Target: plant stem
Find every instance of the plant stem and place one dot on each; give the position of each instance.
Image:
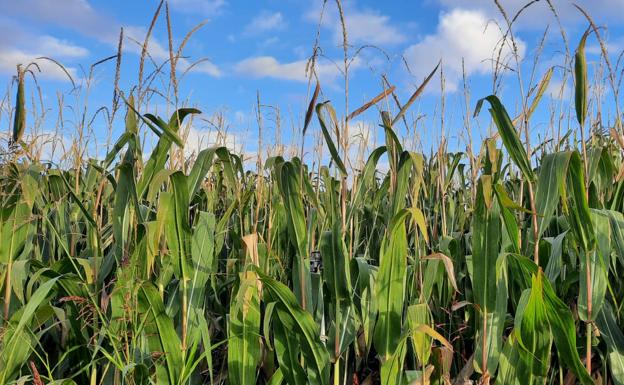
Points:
(7, 290)
(588, 353)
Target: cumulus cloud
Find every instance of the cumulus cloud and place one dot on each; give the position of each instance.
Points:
(539, 14)
(270, 67)
(61, 48)
(265, 21)
(461, 34)
(205, 67)
(82, 17)
(364, 26)
(25, 47)
(10, 58)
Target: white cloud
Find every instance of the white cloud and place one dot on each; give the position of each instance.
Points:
(269, 42)
(45, 145)
(368, 27)
(135, 36)
(198, 139)
(361, 133)
(60, 48)
(205, 67)
(51, 146)
(364, 26)
(11, 57)
(80, 16)
(265, 22)
(270, 67)
(557, 89)
(159, 52)
(25, 47)
(361, 141)
(241, 117)
(461, 34)
(205, 7)
(539, 14)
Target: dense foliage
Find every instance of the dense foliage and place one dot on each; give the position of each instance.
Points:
(498, 267)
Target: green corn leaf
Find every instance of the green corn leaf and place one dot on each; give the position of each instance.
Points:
(485, 246)
(335, 265)
(402, 182)
(178, 117)
(202, 165)
(613, 336)
(366, 180)
(244, 331)
(153, 121)
(563, 331)
(579, 214)
(277, 378)
(391, 372)
(419, 314)
(326, 134)
(121, 212)
(550, 184)
(509, 219)
(14, 231)
(17, 342)
(393, 144)
(509, 135)
(495, 318)
(83, 209)
(161, 335)
(288, 351)
(289, 186)
(534, 336)
(391, 287)
(597, 261)
(300, 323)
(511, 370)
(202, 251)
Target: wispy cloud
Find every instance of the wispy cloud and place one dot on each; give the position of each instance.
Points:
(204, 7)
(460, 35)
(270, 67)
(25, 47)
(369, 27)
(82, 17)
(364, 26)
(76, 15)
(158, 51)
(558, 89)
(265, 21)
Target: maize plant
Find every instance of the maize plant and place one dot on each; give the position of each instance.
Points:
(495, 267)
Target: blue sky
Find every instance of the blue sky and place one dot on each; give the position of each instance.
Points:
(262, 46)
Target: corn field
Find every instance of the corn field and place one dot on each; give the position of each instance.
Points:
(495, 266)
